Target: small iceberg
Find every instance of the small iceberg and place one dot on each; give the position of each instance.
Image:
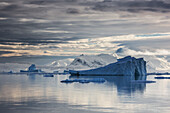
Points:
(142, 81)
(67, 81)
(95, 80)
(32, 68)
(10, 72)
(48, 75)
(162, 77)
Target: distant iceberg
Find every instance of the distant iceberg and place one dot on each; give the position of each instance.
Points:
(127, 66)
(32, 68)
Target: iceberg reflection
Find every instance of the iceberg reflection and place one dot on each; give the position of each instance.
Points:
(122, 83)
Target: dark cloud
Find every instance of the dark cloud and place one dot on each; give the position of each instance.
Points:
(160, 43)
(72, 11)
(133, 6)
(45, 2)
(53, 47)
(5, 52)
(10, 7)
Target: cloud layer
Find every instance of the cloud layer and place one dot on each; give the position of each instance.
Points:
(65, 27)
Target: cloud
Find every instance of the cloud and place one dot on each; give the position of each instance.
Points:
(51, 31)
(4, 4)
(11, 7)
(5, 52)
(106, 45)
(2, 18)
(148, 44)
(72, 11)
(132, 37)
(33, 20)
(126, 51)
(133, 6)
(77, 25)
(43, 2)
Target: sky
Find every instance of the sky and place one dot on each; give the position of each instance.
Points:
(75, 27)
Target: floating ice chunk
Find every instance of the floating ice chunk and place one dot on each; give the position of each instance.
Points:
(67, 81)
(49, 75)
(142, 81)
(162, 77)
(95, 80)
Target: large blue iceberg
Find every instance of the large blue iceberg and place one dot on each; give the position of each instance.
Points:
(127, 66)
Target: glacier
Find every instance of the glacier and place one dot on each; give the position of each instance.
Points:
(127, 66)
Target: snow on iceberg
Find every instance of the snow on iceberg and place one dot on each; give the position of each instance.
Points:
(127, 66)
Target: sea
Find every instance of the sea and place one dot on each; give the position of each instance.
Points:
(31, 93)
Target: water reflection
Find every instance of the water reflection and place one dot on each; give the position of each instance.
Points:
(31, 76)
(122, 83)
(40, 94)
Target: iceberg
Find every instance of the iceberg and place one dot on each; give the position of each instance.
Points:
(127, 66)
(32, 68)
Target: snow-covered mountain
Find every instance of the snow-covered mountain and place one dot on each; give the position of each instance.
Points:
(61, 63)
(91, 61)
(157, 64)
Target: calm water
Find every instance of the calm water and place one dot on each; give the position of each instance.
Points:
(37, 94)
